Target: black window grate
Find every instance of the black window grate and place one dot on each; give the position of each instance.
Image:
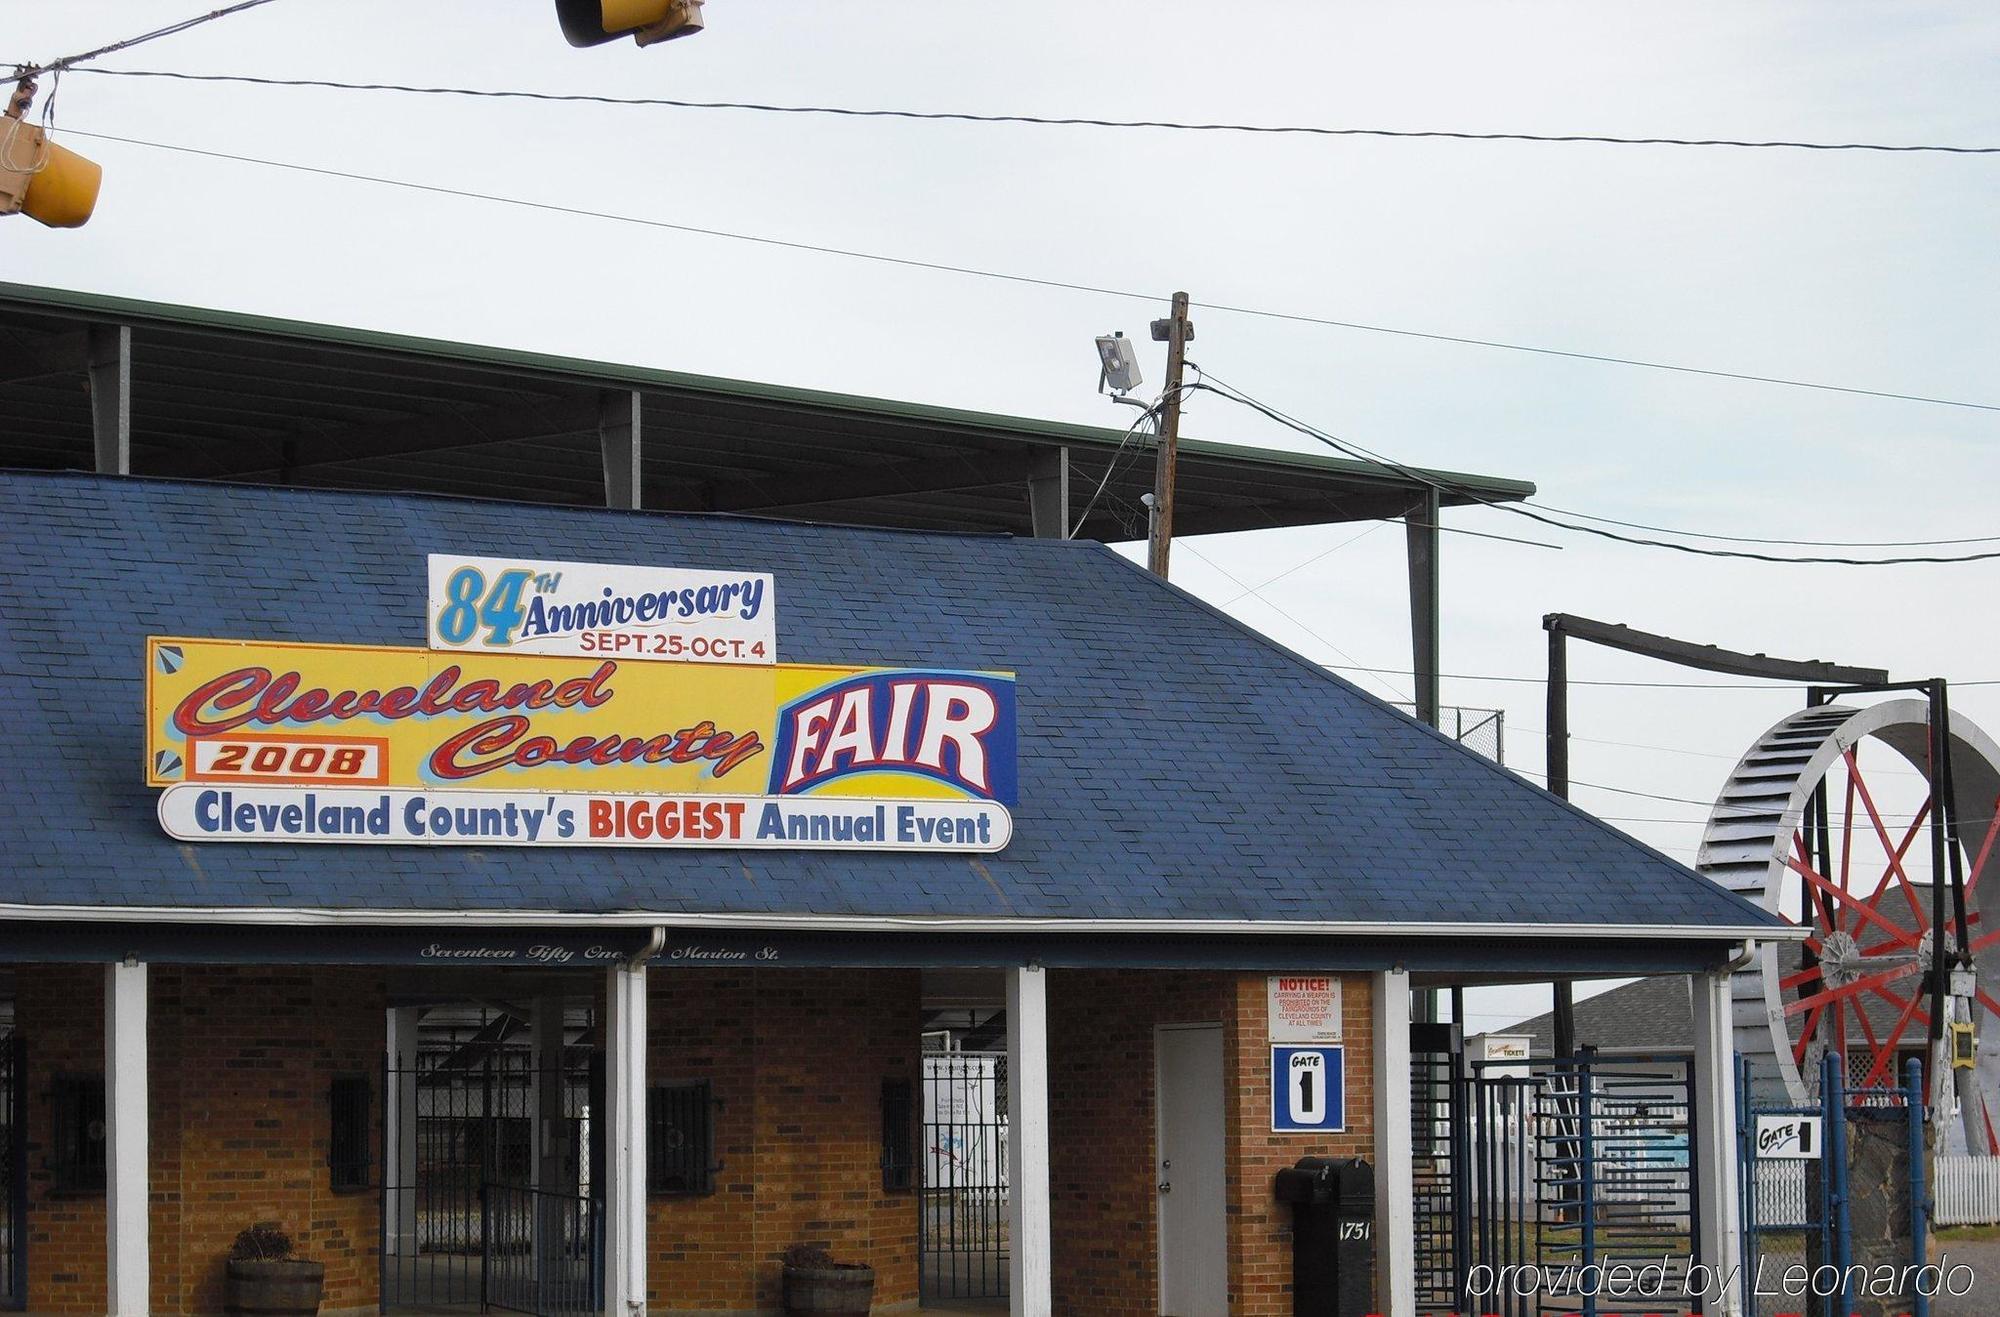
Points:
(347, 1147)
(680, 1138)
(899, 1161)
(76, 1157)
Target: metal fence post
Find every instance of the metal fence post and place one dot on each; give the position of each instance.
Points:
(1587, 1179)
(1833, 1098)
(1913, 1103)
(1746, 1160)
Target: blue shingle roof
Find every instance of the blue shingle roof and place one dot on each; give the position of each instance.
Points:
(1173, 763)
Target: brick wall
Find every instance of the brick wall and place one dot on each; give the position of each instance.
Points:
(796, 1059)
(1102, 1133)
(240, 1068)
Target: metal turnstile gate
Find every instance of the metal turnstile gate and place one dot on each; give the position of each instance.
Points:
(488, 1188)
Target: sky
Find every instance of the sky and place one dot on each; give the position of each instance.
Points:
(1870, 271)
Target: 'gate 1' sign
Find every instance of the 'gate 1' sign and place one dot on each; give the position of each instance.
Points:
(1304, 1008)
(1308, 1090)
(1789, 1138)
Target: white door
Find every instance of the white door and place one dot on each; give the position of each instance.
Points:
(1194, 1235)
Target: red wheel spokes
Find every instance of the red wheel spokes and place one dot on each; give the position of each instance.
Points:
(1894, 853)
(1861, 908)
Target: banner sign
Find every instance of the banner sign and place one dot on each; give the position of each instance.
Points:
(199, 812)
(250, 714)
(524, 606)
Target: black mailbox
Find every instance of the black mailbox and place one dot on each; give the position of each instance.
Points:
(1333, 1235)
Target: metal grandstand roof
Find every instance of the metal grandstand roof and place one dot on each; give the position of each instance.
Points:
(222, 395)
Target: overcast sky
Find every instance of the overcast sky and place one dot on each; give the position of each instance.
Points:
(1872, 271)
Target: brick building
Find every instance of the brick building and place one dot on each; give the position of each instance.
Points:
(628, 1078)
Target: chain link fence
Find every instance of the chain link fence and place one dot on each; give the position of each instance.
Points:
(1482, 730)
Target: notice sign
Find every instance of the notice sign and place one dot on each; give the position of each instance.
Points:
(1304, 1008)
(525, 606)
(1789, 1138)
(1308, 1090)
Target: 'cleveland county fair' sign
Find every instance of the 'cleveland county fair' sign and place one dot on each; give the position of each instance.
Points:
(275, 742)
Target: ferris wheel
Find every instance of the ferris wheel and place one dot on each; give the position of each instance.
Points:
(1826, 821)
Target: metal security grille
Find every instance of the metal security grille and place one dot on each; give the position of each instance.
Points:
(1581, 1162)
(680, 1139)
(478, 1207)
(962, 1221)
(1438, 1137)
(13, 1174)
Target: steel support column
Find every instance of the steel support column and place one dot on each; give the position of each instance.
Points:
(1420, 532)
(618, 432)
(111, 397)
(1029, 1280)
(1048, 496)
(127, 1189)
(624, 1170)
(1395, 1152)
(1719, 1241)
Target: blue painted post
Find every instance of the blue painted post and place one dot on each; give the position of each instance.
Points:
(1833, 1099)
(1920, 1181)
(1746, 1165)
(1587, 1181)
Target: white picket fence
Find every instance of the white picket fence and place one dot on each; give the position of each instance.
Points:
(1966, 1190)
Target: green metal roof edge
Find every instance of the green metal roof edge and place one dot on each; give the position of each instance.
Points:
(107, 306)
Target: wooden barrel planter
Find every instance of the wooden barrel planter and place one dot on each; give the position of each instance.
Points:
(844, 1289)
(268, 1287)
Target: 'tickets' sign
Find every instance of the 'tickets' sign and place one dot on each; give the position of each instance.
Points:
(249, 716)
(525, 606)
(1304, 1008)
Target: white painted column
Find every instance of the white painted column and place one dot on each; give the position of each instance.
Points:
(1716, 1171)
(1395, 1153)
(127, 1189)
(1029, 1271)
(399, 1130)
(625, 1144)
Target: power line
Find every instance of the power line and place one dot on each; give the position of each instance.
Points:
(1349, 448)
(1053, 121)
(1281, 612)
(1004, 276)
(1640, 685)
(68, 62)
(1753, 539)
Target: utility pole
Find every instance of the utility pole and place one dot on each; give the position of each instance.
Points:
(1176, 331)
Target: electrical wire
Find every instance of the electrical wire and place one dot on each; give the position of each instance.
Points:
(1186, 545)
(1755, 539)
(1350, 449)
(25, 72)
(1152, 414)
(1006, 277)
(1641, 685)
(1052, 121)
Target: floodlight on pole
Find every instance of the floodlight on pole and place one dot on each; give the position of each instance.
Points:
(1118, 367)
(594, 22)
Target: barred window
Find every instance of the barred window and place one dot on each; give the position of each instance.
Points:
(898, 1146)
(680, 1138)
(347, 1152)
(76, 1154)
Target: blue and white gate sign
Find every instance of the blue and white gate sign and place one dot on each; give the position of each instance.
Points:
(1308, 1090)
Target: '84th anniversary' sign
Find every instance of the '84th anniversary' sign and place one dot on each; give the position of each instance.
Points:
(670, 614)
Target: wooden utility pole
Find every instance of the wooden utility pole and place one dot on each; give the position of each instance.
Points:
(1175, 331)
